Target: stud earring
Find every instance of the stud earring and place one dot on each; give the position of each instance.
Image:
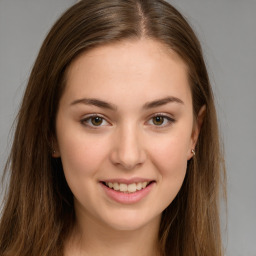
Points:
(193, 151)
(53, 152)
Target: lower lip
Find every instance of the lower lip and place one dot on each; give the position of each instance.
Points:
(127, 198)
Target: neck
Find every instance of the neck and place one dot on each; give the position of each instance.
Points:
(92, 238)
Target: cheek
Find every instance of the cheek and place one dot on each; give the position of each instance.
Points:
(170, 154)
(170, 160)
(81, 155)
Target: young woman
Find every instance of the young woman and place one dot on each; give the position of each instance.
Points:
(116, 150)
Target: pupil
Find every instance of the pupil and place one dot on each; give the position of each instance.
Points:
(97, 120)
(158, 120)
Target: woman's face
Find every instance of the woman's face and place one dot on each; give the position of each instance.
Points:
(125, 121)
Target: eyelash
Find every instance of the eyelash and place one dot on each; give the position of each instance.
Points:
(87, 119)
(168, 119)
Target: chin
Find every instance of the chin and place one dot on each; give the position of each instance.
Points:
(131, 221)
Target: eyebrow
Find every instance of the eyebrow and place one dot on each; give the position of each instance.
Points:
(161, 102)
(103, 104)
(95, 102)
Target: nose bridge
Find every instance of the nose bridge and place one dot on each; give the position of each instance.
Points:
(128, 150)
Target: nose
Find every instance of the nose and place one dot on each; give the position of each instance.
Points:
(127, 149)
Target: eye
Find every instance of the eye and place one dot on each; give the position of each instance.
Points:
(94, 121)
(161, 120)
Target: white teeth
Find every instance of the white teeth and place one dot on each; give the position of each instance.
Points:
(123, 187)
(139, 186)
(144, 184)
(116, 186)
(127, 188)
(131, 187)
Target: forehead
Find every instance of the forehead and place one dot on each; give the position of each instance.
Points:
(143, 67)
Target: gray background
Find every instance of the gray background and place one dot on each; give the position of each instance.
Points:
(227, 31)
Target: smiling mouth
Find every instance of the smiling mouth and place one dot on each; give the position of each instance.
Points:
(127, 188)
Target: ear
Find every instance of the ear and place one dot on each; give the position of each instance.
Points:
(55, 152)
(196, 131)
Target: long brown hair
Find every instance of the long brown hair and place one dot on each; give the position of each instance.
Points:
(38, 212)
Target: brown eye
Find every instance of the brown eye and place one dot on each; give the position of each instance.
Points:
(161, 121)
(158, 120)
(96, 121)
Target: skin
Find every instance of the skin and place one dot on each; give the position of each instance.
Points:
(128, 142)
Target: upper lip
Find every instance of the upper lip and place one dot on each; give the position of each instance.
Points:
(127, 181)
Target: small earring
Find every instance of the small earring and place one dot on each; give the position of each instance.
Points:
(53, 152)
(193, 151)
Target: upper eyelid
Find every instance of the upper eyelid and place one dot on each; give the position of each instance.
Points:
(89, 116)
(170, 119)
(106, 118)
(168, 116)
(161, 114)
(165, 115)
(85, 117)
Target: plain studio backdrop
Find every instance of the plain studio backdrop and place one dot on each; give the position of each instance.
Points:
(227, 31)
